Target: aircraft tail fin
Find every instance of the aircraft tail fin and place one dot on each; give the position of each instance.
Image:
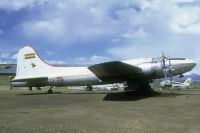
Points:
(29, 64)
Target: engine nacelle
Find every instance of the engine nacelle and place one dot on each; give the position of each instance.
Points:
(150, 69)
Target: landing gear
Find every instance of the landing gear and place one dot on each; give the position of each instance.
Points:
(139, 86)
(50, 91)
(11, 86)
(38, 88)
(89, 88)
(30, 88)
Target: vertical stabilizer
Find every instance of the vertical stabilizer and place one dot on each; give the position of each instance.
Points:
(30, 65)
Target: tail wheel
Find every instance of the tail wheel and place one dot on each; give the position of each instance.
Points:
(50, 91)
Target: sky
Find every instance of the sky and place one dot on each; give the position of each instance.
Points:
(94, 31)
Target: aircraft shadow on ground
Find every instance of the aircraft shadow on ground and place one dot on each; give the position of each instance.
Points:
(109, 96)
(64, 93)
(38, 93)
(129, 96)
(115, 96)
(134, 96)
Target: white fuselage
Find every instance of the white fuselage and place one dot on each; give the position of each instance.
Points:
(75, 76)
(33, 71)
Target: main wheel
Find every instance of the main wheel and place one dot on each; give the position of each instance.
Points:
(38, 88)
(50, 91)
(140, 86)
(30, 88)
(89, 88)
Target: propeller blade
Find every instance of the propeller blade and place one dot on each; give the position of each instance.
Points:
(165, 73)
(170, 70)
(163, 60)
(164, 65)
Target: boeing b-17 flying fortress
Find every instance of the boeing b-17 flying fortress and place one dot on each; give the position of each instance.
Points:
(104, 66)
(136, 73)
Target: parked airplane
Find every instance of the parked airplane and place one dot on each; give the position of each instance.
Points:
(115, 86)
(137, 73)
(174, 84)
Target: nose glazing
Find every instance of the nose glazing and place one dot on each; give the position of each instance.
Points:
(182, 66)
(191, 64)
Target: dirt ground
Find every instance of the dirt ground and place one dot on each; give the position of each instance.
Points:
(23, 111)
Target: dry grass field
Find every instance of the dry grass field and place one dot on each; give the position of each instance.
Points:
(78, 111)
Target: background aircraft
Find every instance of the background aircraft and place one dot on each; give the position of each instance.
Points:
(136, 73)
(115, 86)
(174, 84)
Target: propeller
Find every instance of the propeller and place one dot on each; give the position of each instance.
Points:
(164, 65)
(167, 70)
(170, 70)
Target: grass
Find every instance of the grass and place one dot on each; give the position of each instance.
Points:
(4, 80)
(5, 84)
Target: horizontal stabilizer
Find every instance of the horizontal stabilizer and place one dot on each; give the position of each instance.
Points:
(30, 79)
(37, 81)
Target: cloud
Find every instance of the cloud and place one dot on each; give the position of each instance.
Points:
(190, 3)
(1, 31)
(5, 55)
(164, 26)
(99, 59)
(3, 62)
(7, 58)
(15, 5)
(95, 59)
(186, 19)
(8, 55)
(95, 31)
(49, 53)
(140, 33)
(51, 30)
(85, 21)
(14, 56)
(57, 62)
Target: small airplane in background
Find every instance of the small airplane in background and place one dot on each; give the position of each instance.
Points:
(175, 84)
(136, 73)
(110, 87)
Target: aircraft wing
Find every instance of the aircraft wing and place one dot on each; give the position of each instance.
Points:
(115, 71)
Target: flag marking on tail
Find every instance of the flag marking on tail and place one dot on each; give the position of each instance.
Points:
(29, 56)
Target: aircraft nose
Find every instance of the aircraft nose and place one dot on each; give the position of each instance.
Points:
(183, 66)
(191, 63)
